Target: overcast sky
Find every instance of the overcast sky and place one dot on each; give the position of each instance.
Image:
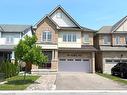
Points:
(88, 13)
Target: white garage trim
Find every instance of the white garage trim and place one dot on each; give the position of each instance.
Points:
(74, 65)
(111, 62)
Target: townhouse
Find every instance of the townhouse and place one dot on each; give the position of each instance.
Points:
(111, 42)
(10, 35)
(69, 46)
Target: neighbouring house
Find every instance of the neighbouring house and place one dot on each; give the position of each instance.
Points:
(111, 42)
(69, 46)
(10, 35)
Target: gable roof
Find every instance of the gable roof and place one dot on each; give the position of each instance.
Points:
(112, 29)
(119, 23)
(58, 27)
(62, 9)
(48, 15)
(13, 28)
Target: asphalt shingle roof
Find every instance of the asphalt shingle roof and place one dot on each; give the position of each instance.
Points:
(13, 28)
(105, 29)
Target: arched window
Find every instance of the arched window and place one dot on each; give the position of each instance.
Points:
(46, 36)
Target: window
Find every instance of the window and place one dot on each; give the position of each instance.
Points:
(62, 59)
(77, 59)
(74, 38)
(69, 37)
(64, 38)
(124, 60)
(117, 40)
(11, 35)
(108, 60)
(59, 15)
(116, 60)
(107, 40)
(69, 59)
(86, 38)
(46, 36)
(85, 59)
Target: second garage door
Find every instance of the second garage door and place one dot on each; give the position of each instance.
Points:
(74, 65)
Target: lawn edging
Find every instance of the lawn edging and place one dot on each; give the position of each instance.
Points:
(114, 78)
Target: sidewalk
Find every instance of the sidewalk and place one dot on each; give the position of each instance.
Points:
(45, 82)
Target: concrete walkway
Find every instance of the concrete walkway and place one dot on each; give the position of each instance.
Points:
(45, 82)
(86, 81)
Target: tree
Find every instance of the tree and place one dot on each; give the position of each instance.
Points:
(27, 51)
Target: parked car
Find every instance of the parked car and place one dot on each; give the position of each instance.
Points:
(120, 69)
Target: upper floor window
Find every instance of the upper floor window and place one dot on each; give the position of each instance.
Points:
(46, 36)
(117, 40)
(86, 38)
(107, 40)
(9, 36)
(59, 14)
(69, 37)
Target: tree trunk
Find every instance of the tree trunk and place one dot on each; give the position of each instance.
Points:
(28, 67)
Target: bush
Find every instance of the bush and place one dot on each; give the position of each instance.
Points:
(9, 69)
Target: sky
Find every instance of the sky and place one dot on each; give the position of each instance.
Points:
(88, 13)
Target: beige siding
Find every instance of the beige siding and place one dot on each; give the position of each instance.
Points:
(76, 44)
(123, 27)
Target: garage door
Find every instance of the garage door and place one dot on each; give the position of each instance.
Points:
(74, 65)
(111, 63)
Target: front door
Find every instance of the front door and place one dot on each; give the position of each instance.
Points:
(47, 65)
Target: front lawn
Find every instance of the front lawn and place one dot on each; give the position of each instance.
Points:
(17, 83)
(114, 78)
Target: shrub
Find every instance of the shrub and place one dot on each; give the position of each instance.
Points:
(9, 69)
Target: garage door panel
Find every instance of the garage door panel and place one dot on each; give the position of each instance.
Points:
(75, 65)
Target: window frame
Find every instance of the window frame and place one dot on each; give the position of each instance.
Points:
(117, 40)
(106, 40)
(86, 41)
(46, 36)
(70, 37)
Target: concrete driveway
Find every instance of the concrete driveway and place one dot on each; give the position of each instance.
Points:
(86, 81)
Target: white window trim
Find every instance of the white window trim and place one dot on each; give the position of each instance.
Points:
(72, 36)
(84, 40)
(107, 38)
(46, 40)
(119, 42)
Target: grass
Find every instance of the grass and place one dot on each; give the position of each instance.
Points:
(114, 78)
(17, 83)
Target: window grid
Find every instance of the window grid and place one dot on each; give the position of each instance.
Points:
(46, 36)
(86, 38)
(69, 37)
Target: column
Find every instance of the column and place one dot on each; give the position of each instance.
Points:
(54, 63)
(53, 55)
(93, 62)
(12, 57)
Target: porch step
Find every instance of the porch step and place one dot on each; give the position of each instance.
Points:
(43, 72)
